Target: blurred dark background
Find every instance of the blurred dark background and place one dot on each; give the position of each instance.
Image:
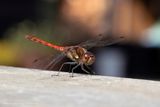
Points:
(13, 12)
(71, 22)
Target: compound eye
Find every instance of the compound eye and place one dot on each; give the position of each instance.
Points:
(86, 55)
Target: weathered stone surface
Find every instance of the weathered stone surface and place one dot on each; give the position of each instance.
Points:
(21, 87)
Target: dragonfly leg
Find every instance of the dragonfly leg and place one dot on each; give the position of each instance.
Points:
(82, 67)
(74, 69)
(65, 63)
(91, 70)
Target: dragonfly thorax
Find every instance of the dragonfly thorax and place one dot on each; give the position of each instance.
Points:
(80, 55)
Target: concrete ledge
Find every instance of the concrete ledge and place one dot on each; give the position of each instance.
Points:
(21, 87)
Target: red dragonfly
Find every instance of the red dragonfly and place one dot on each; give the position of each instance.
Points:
(79, 54)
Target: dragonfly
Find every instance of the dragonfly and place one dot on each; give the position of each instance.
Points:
(78, 54)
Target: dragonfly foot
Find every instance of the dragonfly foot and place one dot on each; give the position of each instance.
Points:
(55, 75)
(71, 76)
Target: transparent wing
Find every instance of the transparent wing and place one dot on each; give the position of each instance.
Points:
(54, 61)
(100, 41)
(48, 62)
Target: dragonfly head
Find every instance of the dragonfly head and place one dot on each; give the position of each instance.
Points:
(89, 58)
